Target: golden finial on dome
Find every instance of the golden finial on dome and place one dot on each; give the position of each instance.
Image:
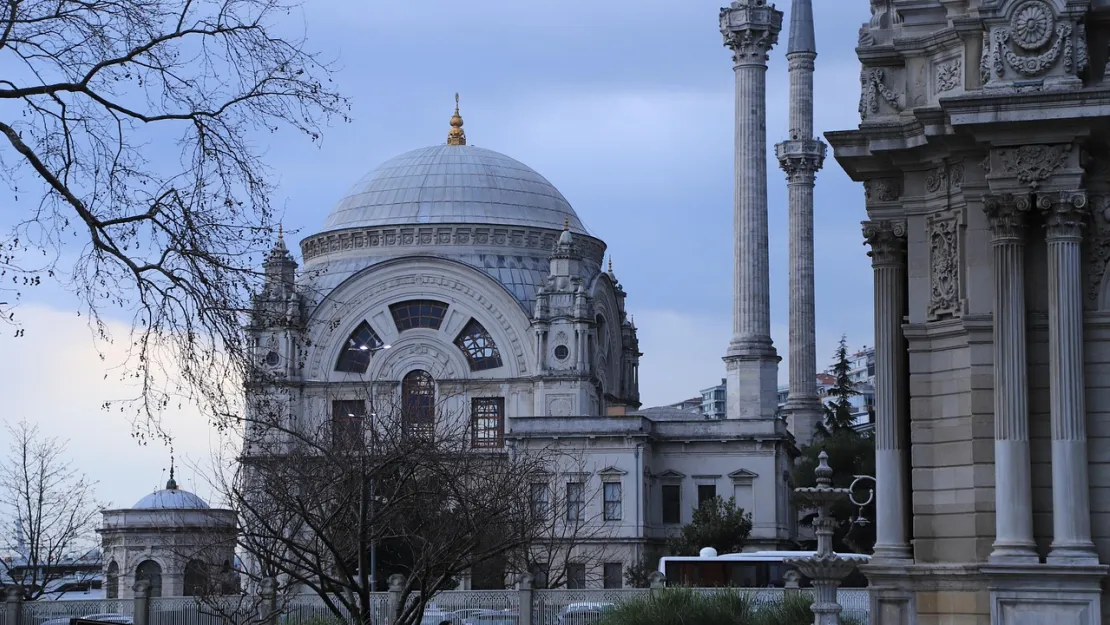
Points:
(566, 223)
(456, 136)
(281, 231)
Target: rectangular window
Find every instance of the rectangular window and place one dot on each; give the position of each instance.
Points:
(706, 492)
(487, 422)
(346, 420)
(540, 502)
(614, 575)
(613, 501)
(576, 501)
(576, 576)
(672, 503)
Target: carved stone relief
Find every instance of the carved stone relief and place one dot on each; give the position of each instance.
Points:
(559, 405)
(1033, 164)
(943, 234)
(945, 178)
(882, 189)
(1033, 43)
(948, 75)
(873, 91)
(1097, 248)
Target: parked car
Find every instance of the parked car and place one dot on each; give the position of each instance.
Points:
(106, 617)
(583, 613)
(493, 617)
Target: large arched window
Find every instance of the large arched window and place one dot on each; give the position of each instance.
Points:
(111, 581)
(478, 347)
(356, 352)
(418, 396)
(196, 578)
(150, 571)
(418, 313)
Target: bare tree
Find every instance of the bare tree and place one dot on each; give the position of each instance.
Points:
(130, 135)
(568, 527)
(317, 500)
(48, 511)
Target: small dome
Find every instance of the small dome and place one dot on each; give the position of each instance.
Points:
(171, 499)
(456, 184)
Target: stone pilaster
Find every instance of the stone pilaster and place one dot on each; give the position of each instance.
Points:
(1013, 491)
(892, 503)
(801, 157)
(750, 29)
(1065, 218)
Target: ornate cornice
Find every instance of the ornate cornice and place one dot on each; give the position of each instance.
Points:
(445, 235)
(801, 156)
(1065, 214)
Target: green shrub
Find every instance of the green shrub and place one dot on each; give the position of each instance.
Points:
(683, 606)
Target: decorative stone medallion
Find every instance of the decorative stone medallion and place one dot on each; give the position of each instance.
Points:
(948, 75)
(1032, 24)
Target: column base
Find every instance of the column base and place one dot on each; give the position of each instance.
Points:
(752, 385)
(1014, 552)
(1044, 594)
(803, 414)
(1081, 554)
(892, 554)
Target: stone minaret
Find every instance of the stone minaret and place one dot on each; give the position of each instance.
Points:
(750, 29)
(800, 156)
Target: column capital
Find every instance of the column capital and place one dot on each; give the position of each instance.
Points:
(800, 156)
(750, 29)
(887, 240)
(1006, 213)
(1065, 214)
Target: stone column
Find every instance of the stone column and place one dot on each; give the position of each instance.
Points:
(1013, 491)
(13, 605)
(1065, 217)
(525, 597)
(888, 259)
(750, 29)
(801, 156)
(141, 612)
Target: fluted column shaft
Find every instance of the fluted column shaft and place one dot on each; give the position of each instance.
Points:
(752, 319)
(1065, 218)
(801, 157)
(1013, 491)
(888, 260)
(750, 29)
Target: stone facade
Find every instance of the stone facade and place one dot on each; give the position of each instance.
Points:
(981, 149)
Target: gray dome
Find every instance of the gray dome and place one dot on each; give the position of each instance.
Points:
(459, 184)
(171, 499)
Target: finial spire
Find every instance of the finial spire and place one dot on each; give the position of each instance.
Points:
(171, 484)
(456, 136)
(610, 264)
(801, 28)
(566, 223)
(281, 231)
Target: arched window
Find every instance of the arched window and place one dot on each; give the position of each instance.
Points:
(418, 393)
(111, 581)
(418, 313)
(150, 571)
(356, 352)
(196, 578)
(478, 346)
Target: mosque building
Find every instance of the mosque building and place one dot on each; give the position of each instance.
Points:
(492, 295)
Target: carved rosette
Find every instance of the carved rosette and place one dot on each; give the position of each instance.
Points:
(750, 29)
(1033, 164)
(887, 239)
(882, 189)
(943, 236)
(1006, 214)
(1033, 43)
(1065, 214)
(874, 90)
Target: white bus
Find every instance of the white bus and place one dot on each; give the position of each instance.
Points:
(758, 569)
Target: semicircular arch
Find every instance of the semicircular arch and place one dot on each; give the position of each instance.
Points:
(468, 292)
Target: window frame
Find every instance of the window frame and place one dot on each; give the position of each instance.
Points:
(536, 502)
(478, 346)
(701, 499)
(576, 507)
(613, 508)
(414, 314)
(351, 359)
(347, 418)
(575, 582)
(607, 569)
(677, 504)
(418, 386)
(479, 435)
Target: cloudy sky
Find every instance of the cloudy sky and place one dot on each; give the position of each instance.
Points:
(625, 107)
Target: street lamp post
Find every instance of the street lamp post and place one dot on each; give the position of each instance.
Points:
(366, 500)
